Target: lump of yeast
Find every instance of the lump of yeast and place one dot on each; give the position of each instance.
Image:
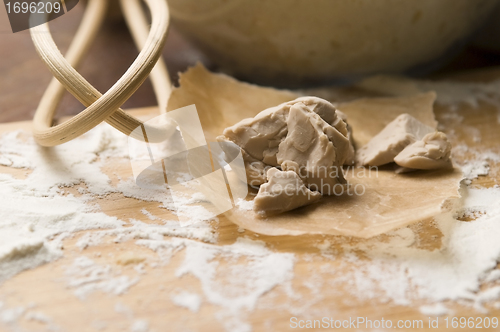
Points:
(306, 135)
(432, 152)
(387, 144)
(409, 143)
(283, 192)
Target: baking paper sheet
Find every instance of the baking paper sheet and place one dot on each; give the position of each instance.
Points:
(377, 200)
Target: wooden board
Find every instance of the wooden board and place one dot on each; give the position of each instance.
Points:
(47, 290)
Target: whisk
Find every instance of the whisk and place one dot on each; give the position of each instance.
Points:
(102, 107)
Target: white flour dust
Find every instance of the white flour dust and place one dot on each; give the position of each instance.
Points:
(85, 276)
(400, 273)
(227, 283)
(11, 317)
(137, 325)
(188, 300)
(36, 213)
(437, 309)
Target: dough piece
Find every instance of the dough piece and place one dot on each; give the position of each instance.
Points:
(387, 144)
(306, 131)
(255, 170)
(351, 155)
(315, 150)
(261, 135)
(432, 152)
(285, 191)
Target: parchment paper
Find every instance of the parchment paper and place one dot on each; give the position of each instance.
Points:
(388, 200)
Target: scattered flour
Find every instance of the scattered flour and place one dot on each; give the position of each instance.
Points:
(470, 251)
(32, 225)
(187, 300)
(40, 317)
(233, 286)
(149, 215)
(437, 309)
(493, 276)
(140, 326)
(244, 205)
(10, 316)
(140, 230)
(124, 310)
(36, 214)
(37, 316)
(85, 276)
(477, 163)
(472, 169)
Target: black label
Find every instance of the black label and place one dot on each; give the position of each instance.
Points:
(70, 4)
(25, 14)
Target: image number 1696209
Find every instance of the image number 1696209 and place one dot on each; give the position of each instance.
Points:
(26, 14)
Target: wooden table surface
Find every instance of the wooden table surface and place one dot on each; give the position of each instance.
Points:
(22, 81)
(47, 287)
